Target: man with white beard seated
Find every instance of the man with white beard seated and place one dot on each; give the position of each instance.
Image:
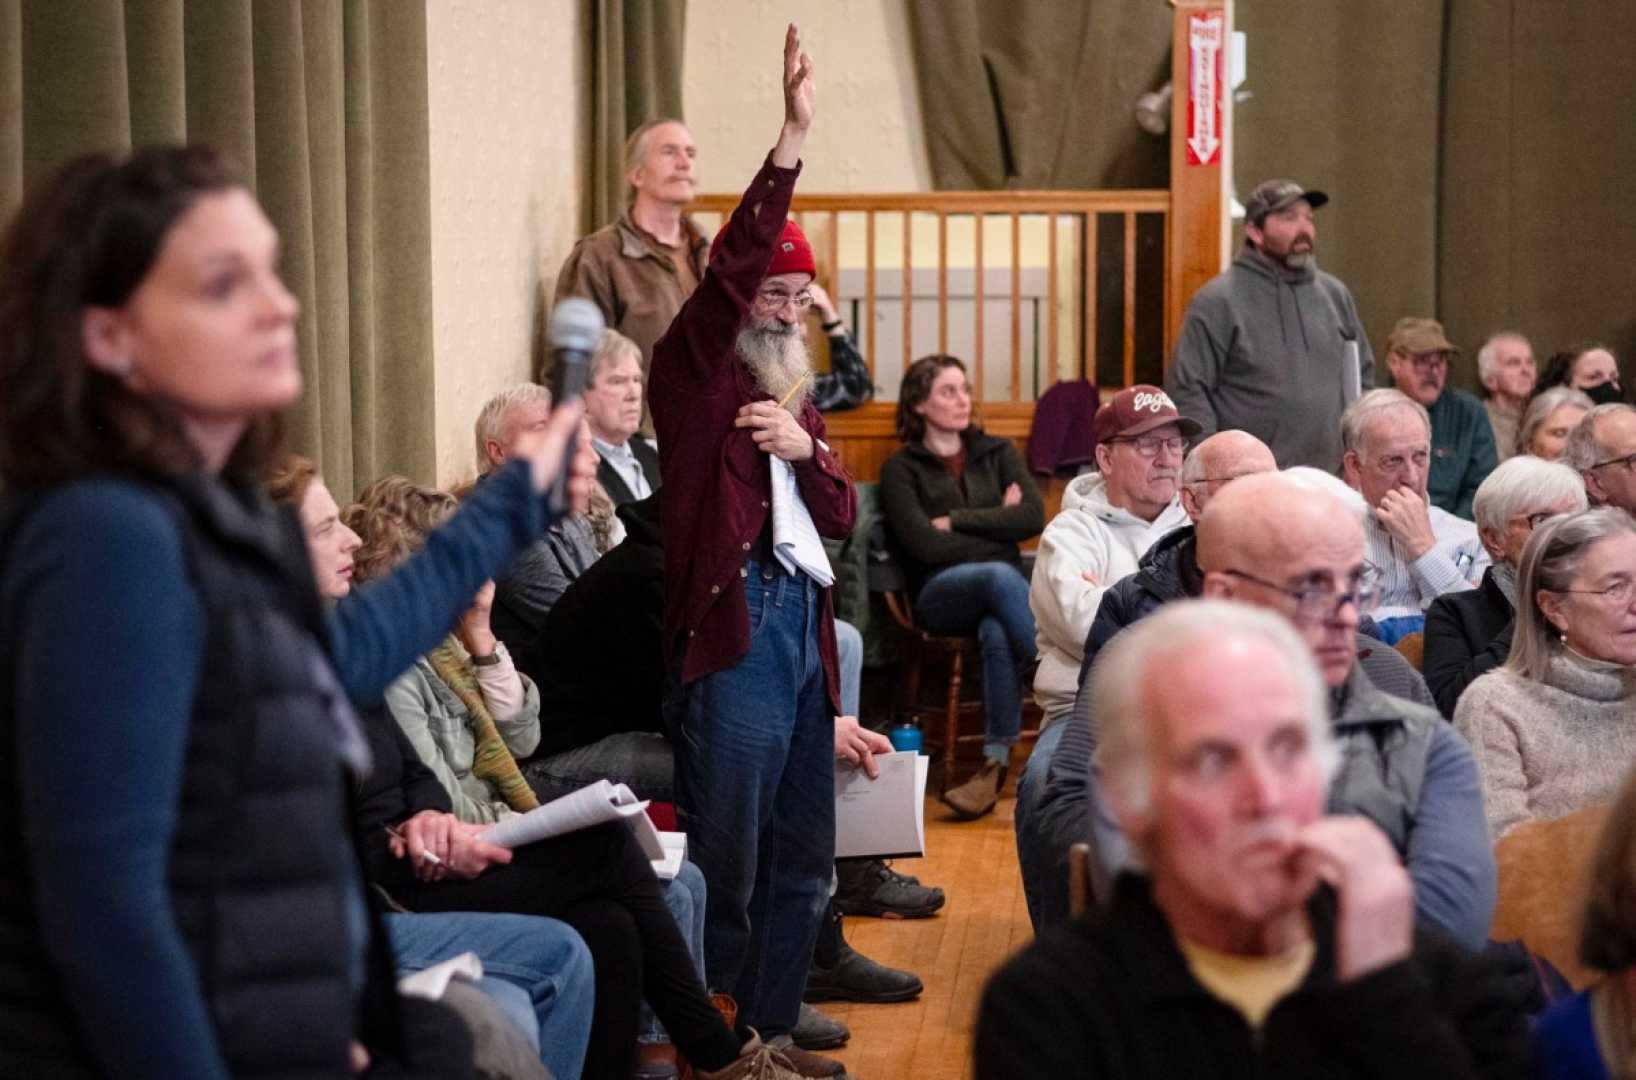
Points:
(749, 629)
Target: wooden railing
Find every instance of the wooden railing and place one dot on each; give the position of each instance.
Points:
(1095, 302)
(822, 217)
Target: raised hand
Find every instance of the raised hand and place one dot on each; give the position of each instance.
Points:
(543, 451)
(798, 85)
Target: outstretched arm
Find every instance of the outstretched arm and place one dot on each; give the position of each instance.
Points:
(691, 353)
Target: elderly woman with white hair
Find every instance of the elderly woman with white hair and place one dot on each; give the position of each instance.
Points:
(1551, 414)
(1469, 633)
(1554, 728)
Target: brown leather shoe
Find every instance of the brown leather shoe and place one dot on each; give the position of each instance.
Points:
(977, 796)
(805, 1062)
(756, 1061)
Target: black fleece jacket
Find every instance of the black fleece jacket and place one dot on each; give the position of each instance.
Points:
(1116, 999)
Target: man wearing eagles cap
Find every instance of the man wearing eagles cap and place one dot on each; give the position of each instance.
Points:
(1272, 345)
(750, 487)
(1108, 521)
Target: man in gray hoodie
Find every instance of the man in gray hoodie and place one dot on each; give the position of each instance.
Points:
(1273, 345)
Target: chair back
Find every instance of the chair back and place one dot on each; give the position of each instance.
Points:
(1542, 874)
(1413, 649)
(1080, 889)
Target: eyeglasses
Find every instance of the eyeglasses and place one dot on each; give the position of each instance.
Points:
(1319, 603)
(778, 299)
(1620, 593)
(1214, 479)
(1426, 360)
(1628, 461)
(1150, 445)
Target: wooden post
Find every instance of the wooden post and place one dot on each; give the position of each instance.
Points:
(1200, 111)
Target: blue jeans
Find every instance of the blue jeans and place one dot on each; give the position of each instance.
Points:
(685, 896)
(755, 792)
(849, 648)
(989, 599)
(639, 759)
(542, 956)
(1036, 854)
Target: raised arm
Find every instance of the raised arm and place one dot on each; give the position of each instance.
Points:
(376, 632)
(691, 354)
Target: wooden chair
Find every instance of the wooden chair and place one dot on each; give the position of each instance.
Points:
(1079, 879)
(1542, 871)
(1413, 648)
(920, 652)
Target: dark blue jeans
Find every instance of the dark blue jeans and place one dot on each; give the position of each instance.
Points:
(1036, 852)
(755, 792)
(989, 599)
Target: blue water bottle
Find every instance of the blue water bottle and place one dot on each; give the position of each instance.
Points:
(905, 737)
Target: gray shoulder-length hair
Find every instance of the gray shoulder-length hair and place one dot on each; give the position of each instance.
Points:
(1540, 408)
(1550, 562)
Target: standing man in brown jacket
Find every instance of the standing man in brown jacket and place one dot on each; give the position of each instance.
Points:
(639, 269)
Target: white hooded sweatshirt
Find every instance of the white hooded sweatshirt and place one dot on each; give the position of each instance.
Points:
(1089, 534)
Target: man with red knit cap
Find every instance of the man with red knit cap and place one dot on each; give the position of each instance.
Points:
(750, 487)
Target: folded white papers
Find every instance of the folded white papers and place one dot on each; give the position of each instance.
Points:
(884, 817)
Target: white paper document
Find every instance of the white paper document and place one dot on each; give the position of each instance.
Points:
(675, 845)
(884, 817)
(591, 805)
(430, 983)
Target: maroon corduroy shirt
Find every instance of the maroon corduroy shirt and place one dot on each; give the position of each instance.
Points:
(717, 484)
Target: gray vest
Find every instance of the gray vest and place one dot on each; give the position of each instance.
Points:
(1382, 742)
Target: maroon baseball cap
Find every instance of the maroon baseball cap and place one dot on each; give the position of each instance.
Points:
(1138, 409)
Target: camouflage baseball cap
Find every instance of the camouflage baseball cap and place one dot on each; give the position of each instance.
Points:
(1412, 336)
(1270, 195)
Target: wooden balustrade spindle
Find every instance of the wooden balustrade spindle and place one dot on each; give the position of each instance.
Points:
(1016, 306)
(908, 289)
(977, 310)
(1130, 298)
(869, 293)
(1051, 297)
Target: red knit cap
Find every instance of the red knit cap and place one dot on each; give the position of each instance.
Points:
(791, 255)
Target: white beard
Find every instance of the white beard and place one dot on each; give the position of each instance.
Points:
(779, 361)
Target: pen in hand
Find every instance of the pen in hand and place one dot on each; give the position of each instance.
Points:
(425, 856)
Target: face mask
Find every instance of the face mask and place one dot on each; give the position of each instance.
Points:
(1605, 393)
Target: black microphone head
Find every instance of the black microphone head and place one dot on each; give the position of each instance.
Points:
(576, 324)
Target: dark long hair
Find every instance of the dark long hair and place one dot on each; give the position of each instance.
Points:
(88, 236)
(916, 388)
(1559, 369)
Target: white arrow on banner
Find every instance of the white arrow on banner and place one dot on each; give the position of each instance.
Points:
(1204, 39)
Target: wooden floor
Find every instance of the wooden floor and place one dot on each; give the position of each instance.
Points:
(954, 952)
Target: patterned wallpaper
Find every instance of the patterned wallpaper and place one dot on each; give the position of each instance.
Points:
(506, 84)
(868, 133)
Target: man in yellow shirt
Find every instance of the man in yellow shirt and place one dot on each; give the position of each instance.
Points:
(1262, 936)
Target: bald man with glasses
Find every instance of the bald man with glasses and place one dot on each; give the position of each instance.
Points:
(1277, 542)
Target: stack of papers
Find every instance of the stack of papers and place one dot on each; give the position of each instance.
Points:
(885, 817)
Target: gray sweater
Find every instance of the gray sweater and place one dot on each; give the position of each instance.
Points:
(1277, 354)
(1547, 748)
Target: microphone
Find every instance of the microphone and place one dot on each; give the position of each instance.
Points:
(576, 324)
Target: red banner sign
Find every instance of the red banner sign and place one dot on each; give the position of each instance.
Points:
(1206, 31)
